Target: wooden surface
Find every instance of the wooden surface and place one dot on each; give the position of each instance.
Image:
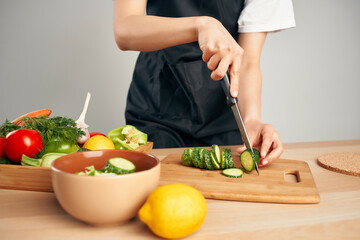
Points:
(25, 178)
(37, 215)
(270, 186)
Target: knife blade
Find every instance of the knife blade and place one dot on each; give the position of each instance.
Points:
(232, 102)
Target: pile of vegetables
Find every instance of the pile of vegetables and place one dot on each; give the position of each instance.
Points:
(216, 159)
(36, 139)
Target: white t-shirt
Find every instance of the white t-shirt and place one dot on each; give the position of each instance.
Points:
(266, 16)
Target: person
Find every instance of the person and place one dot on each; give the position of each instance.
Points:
(186, 46)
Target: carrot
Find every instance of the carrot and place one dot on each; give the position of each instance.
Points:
(37, 113)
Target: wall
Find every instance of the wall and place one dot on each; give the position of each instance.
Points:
(53, 52)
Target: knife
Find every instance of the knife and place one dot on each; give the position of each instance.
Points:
(232, 102)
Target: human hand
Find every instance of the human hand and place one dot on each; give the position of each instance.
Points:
(220, 51)
(266, 139)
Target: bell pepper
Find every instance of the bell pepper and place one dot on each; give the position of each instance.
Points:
(58, 145)
(127, 137)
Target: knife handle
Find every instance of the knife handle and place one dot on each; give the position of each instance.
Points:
(225, 84)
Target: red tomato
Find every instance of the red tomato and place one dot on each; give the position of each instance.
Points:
(22, 141)
(2, 141)
(96, 133)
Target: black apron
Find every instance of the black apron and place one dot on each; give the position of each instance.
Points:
(172, 97)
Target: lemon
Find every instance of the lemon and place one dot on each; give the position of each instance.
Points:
(174, 211)
(99, 142)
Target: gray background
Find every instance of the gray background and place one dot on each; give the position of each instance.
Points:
(53, 52)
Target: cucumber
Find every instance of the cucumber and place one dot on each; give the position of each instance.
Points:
(227, 157)
(186, 157)
(48, 158)
(119, 166)
(247, 159)
(201, 157)
(214, 162)
(233, 172)
(216, 150)
(207, 160)
(194, 157)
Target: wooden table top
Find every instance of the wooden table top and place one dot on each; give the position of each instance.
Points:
(37, 215)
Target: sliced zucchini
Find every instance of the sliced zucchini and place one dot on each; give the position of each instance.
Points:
(216, 150)
(207, 160)
(227, 157)
(214, 162)
(233, 172)
(247, 159)
(186, 157)
(119, 166)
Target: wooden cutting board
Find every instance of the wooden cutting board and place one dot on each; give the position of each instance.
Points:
(284, 181)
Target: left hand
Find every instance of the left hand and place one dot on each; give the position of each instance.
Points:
(266, 139)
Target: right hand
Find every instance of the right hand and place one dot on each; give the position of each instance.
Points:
(220, 51)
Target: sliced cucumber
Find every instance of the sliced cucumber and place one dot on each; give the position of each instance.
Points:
(48, 158)
(233, 172)
(186, 157)
(214, 162)
(216, 150)
(207, 160)
(195, 157)
(227, 157)
(222, 162)
(119, 166)
(247, 159)
(201, 157)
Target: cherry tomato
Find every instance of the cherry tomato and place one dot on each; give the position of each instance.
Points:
(2, 141)
(96, 133)
(22, 141)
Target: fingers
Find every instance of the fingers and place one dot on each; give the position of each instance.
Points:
(241, 149)
(221, 69)
(222, 57)
(265, 138)
(254, 139)
(274, 151)
(234, 72)
(268, 133)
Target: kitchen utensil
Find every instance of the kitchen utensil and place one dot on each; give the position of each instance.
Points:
(272, 185)
(232, 102)
(104, 200)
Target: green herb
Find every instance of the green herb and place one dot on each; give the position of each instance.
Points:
(49, 128)
(4, 160)
(7, 127)
(55, 127)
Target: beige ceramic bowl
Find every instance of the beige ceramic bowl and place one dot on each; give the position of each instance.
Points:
(104, 200)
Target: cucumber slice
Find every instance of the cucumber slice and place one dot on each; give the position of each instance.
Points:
(201, 157)
(207, 160)
(186, 157)
(195, 158)
(227, 157)
(223, 163)
(233, 172)
(216, 150)
(214, 162)
(247, 159)
(119, 165)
